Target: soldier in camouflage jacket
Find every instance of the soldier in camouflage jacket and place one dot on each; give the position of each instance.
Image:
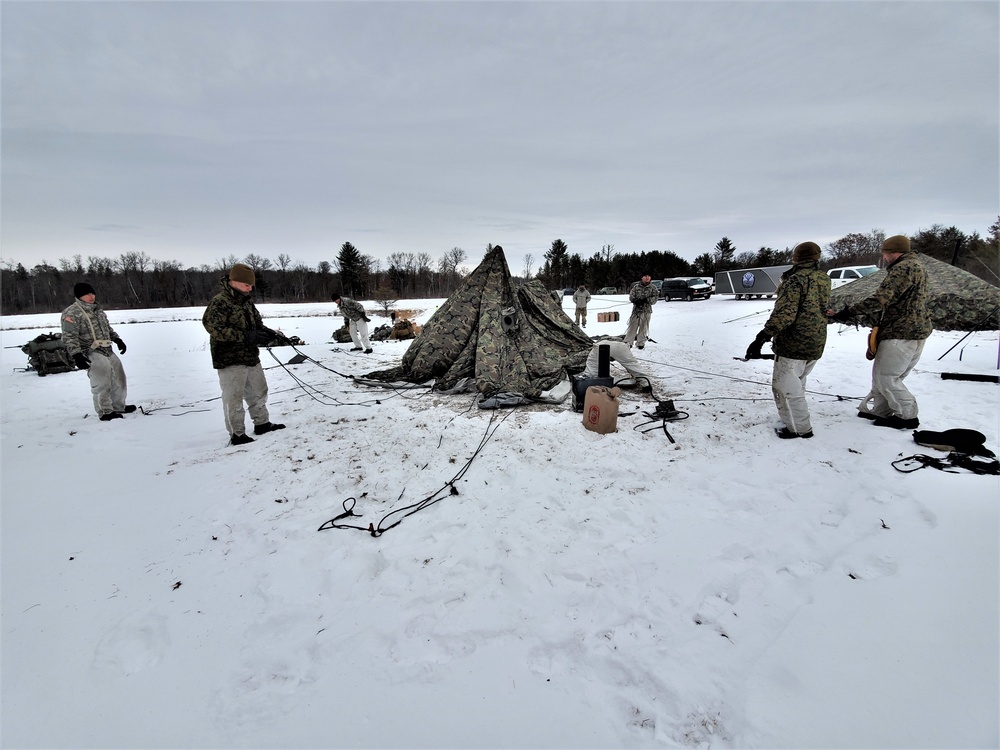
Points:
(88, 336)
(902, 331)
(581, 298)
(357, 322)
(236, 330)
(798, 328)
(643, 296)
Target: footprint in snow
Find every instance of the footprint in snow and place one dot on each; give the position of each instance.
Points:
(136, 643)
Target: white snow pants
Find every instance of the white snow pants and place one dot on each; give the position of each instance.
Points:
(788, 383)
(638, 327)
(621, 354)
(359, 333)
(894, 359)
(108, 385)
(243, 383)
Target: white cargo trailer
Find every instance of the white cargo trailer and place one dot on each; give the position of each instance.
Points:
(748, 283)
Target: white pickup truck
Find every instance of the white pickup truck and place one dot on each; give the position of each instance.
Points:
(847, 274)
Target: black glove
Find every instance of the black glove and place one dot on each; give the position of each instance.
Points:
(842, 317)
(81, 361)
(121, 345)
(753, 351)
(366, 319)
(259, 336)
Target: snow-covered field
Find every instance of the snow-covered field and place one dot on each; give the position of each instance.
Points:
(162, 589)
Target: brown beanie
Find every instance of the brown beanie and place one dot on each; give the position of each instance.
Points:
(242, 273)
(805, 252)
(898, 243)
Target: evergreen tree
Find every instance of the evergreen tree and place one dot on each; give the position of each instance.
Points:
(557, 263)
(724, 252)
(704, 265)
(350, 265)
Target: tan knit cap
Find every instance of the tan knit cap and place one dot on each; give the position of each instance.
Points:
(242, 273)
(898, 243)
(805, 251)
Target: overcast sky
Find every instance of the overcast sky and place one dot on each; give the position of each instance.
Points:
(194, 131)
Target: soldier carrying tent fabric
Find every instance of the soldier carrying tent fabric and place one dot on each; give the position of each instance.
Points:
(902, 332)
(643, 296)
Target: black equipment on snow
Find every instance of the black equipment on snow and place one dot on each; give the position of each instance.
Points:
(47, 354)
(967, 453)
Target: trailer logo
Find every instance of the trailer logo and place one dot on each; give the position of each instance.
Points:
(748, 279)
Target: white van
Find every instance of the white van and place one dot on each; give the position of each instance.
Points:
(847, 274)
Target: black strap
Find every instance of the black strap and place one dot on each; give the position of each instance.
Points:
(953, 463)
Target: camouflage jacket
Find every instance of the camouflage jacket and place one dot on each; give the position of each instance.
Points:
(643, 297)
(352, 310)
(798, 322)
(902, 300)
(227, 319)
(84, 323)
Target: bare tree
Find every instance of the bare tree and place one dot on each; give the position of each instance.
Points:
(529, 263)
(424, 276)
(257, 262)
(226, 263)
(453, 259)
(385, 295)
(448, 266)
(856, 248)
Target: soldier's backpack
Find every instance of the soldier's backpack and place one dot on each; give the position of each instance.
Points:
(47, 354)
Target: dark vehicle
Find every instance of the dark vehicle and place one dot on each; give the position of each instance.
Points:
(689, 289)
(568, 292)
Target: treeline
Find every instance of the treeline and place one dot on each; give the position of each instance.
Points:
(134, 280)
(562, 269)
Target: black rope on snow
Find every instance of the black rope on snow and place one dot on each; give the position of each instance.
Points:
(446, 490)
(311, 390)
(739, 380)
(300, 385)
(663, 413)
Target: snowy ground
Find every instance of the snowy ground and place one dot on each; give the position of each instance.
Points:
(162, 589)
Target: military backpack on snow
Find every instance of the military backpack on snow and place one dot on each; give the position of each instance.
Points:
(47, 354)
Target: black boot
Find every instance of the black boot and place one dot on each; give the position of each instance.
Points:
(897, 422)
(260, 429)
(240, 439)
(111, 415)
(785, 434)
(129, 408)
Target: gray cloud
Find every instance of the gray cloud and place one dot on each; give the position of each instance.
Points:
(208, 129)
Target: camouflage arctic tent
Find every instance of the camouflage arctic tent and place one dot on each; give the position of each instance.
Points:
(956, 300)
(510, 344)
